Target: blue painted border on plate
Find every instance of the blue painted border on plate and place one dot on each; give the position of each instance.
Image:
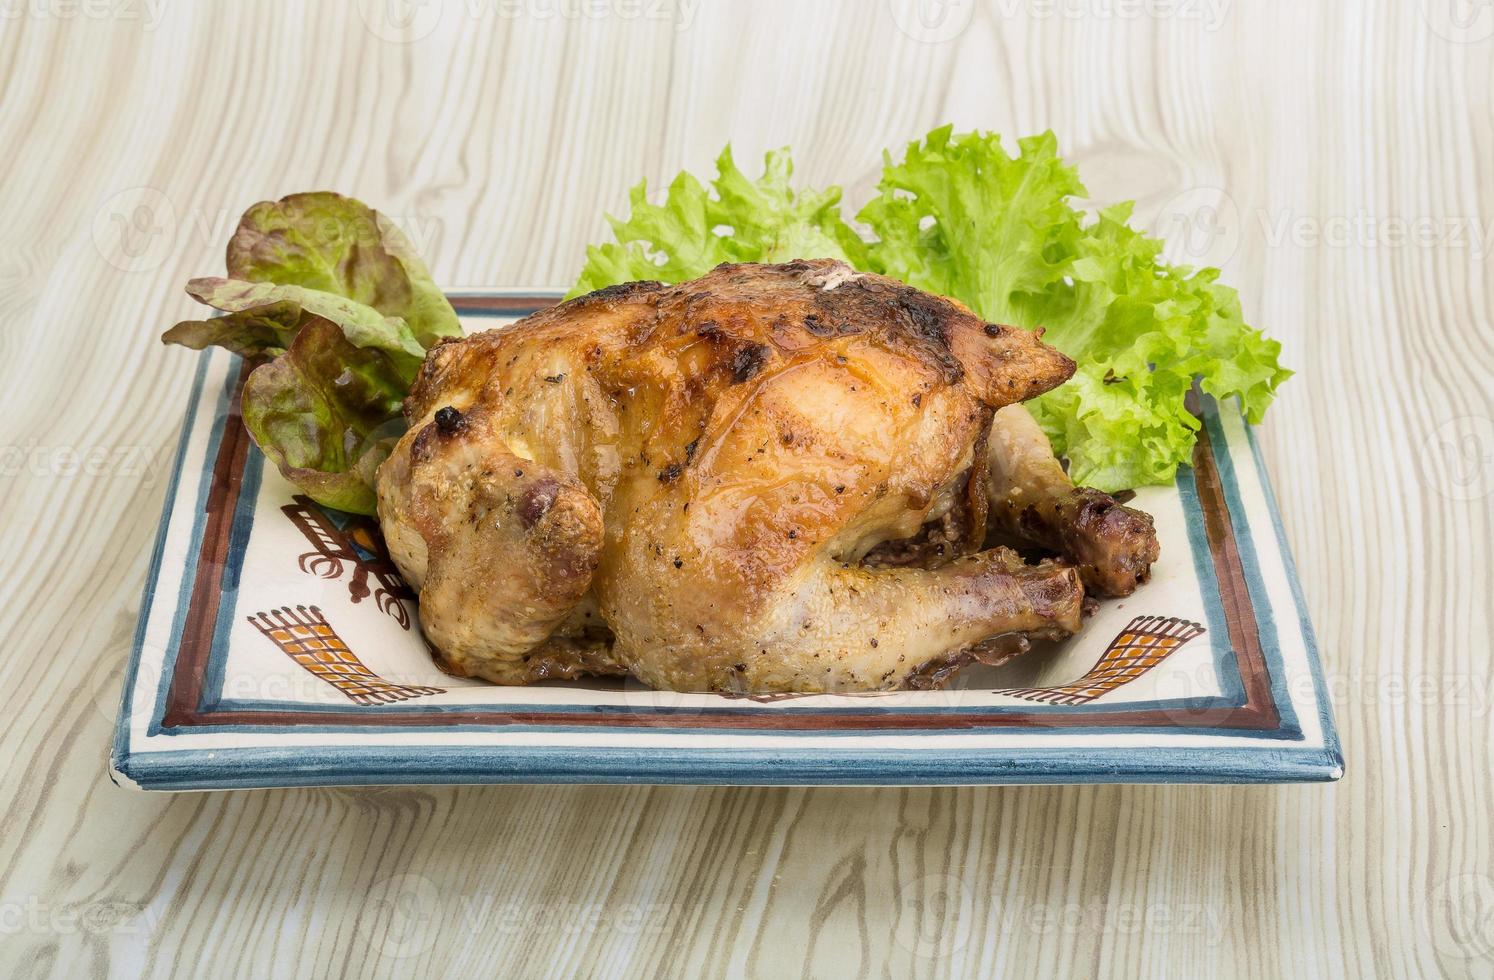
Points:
(300, 765)
(121, 747)
(1309, 636)
(518, 312)
(374, 765)
(199, 521)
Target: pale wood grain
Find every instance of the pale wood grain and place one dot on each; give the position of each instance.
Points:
(500, 142)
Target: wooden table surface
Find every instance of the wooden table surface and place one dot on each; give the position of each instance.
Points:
(1337, 159)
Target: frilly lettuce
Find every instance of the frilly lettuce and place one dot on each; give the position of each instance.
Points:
(327, 243)
(959, 216)
(335, 295)
(327, 413)
(746, 220)
(250, 303)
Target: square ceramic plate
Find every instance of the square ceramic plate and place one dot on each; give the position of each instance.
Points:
(277, 646)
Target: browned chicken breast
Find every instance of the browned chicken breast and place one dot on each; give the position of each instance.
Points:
(770, 479)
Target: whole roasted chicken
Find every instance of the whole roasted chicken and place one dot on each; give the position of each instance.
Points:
(774, 478)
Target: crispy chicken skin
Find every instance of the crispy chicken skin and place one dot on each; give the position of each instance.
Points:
(681, 483)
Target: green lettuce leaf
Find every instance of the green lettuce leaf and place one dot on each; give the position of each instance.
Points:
(326, 413)
(267, 329)
(363, 325)
(744, 220)
(333, 244)
(326, 409)
(960, 216)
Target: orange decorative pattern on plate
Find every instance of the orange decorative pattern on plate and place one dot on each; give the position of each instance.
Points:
(305, 636)
(1143, 644)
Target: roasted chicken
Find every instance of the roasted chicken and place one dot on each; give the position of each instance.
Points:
(773, 478)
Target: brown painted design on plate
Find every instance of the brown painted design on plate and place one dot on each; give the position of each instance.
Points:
(335, 549)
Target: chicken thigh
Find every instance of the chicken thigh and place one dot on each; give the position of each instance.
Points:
(682, 483)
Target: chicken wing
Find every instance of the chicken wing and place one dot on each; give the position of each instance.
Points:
(1030, 496)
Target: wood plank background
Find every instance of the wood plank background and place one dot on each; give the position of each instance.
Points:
(1337, 158)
